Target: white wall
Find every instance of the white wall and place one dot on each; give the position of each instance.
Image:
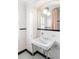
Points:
(22, 13)
(21, 41)
(22, 24)
(31, 27)
(50, 34)
(27, 18)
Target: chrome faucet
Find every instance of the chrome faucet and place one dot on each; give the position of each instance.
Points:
(42, 33)
(43, 36)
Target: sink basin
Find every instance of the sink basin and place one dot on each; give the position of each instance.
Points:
(43, 40)
(44, 43)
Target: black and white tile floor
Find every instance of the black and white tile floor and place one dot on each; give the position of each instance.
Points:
(26, 55)
(54, 53)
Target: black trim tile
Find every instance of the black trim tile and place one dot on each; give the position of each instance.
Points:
(22, 28)
(48, 29)
(33, 54)
(21, 51)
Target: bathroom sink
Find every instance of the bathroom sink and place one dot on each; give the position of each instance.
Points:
(44, 43)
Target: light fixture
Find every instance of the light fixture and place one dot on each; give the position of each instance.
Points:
(48, 14)
(46, 11)
(48, 0)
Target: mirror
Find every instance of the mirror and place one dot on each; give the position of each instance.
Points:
(49, 18)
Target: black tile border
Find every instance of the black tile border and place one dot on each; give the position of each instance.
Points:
(42, 54)
(33, 54)
(22, 29)
(28, 52)
(21, 51)
(48, 29)
(41, 29)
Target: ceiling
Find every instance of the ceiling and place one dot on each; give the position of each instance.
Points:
(31, 1)
(40, 3)
(37, 1)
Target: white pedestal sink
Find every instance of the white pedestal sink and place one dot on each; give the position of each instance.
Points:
(44, 43)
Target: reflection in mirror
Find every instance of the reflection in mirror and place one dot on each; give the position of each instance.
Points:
(56, 18)
(49, 18)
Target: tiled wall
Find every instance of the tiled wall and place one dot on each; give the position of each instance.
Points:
(49, 34)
